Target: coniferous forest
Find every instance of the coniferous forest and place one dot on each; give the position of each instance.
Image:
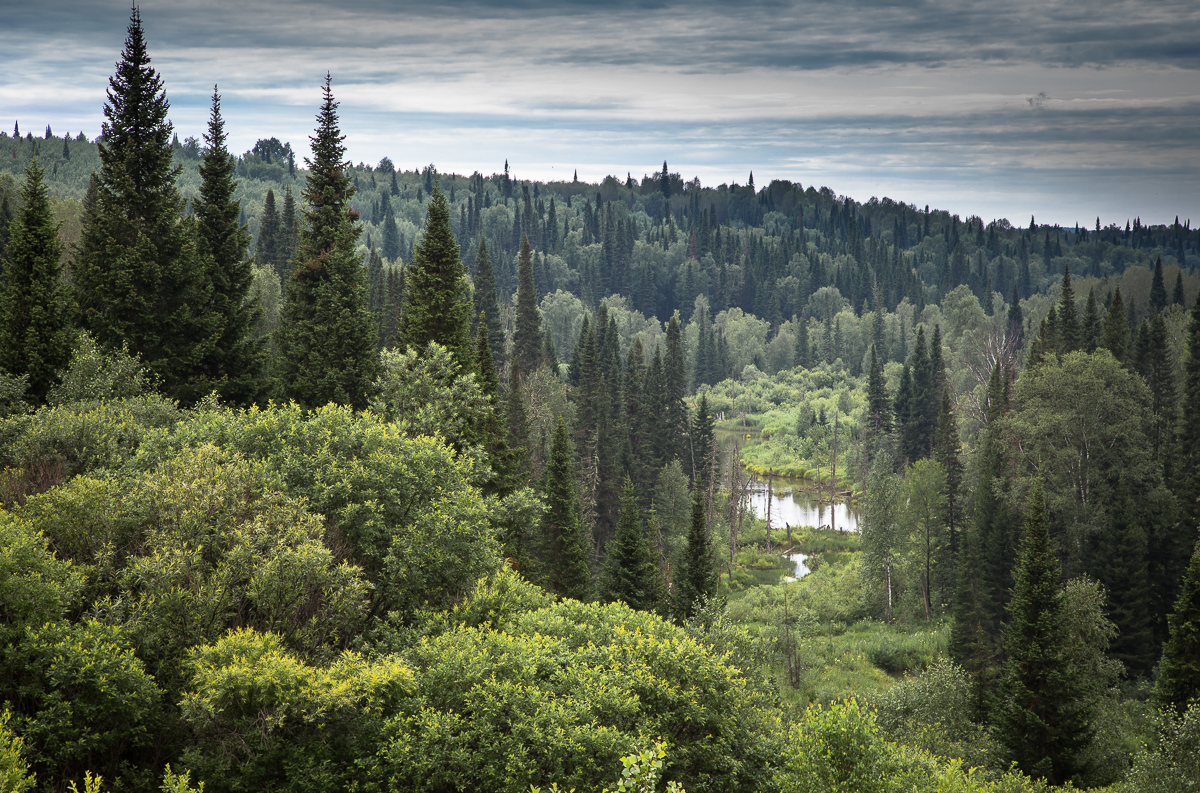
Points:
(329, 477)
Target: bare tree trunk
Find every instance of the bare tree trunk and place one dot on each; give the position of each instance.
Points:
(833, 476)
(770, 494)
(888, 567)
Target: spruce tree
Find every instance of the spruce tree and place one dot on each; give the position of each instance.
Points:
(1158, 289)
(518, 423)
(879, 413)
(675, 413)
(505, 476)
(1041, 720)
(1188, 468)
(486, 304)
(947, 448)
(391, 237)
(326, 333)
(137, 276)
(1119, 563)
(1176, 295)
(562, 546)
(1090, 329)
(703, 438)
(631, 572)
(289, 234)
(1068, 316)
(527, 333)
(436, 306)
(267, 249)
(1116, 329)
(697, 578)
(235, 360)
(800, 356)
(1179, 677)
(1016, 320)
(35, 306)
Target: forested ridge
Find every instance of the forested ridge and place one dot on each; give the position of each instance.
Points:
(329, 476)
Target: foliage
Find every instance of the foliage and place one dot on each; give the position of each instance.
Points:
(1171, 764)
(14, 773)
(93, 373)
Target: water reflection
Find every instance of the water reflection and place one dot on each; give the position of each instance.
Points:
(800, 561)
(798, 508)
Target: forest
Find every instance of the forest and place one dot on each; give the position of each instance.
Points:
(332, 476)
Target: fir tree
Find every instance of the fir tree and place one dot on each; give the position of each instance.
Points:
(1176, 295)
(235, 361)
(435, 301)
(505, 476)
(391, 237)
(879, 414)
(137, 276)
(289, 233)
(947, 449)
(1068, 316)
(1179, 678)
(631, 572)
(1116, 329)
(326, 333)
(697, 577)
(675, 413)
(1158, 289)
(1016, 320)
(1042, 720)
(527, 333)
(1188, 470)
(486, 304)
(267, 250)
(703, 440)
(1090, 329)
(35, 308)
(1119, 563)
(518, 422)
(801, 355)
(562, 546)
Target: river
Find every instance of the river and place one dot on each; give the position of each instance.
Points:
(791, 505)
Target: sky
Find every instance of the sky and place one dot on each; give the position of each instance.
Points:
(1067, 111)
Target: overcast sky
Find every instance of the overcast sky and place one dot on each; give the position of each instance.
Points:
(1065, 110)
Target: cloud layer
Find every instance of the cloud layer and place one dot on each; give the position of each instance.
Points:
(1066, 110)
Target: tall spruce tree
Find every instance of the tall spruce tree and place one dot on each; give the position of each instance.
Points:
(1179, 678)
(326, 333)
(487, 306)
(562, 545)
(1158, 289)
(703, 438)
(1187, 479)
(391, 237)
(675, 415)
(1090, 328)
(631, 573)
(289, 233)
(1042, 719)
(947, 448)
(527, 333)
(697, 578)
(1115, 337)
(235, 361)
(879, 405)
(1119, 563)
(1068, 316)
(35, 306)
(436, 306)
(267, 249)
(137, 276)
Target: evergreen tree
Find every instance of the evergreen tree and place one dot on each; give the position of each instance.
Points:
(326, 332)
(1068, 316)
(1116, 329)
(1154, 363)
(267, 250)
(375, 283)
(391, 237)
(921, 421)
(1041, 719)
(939, 371)
(527, 333)
(1119, 563)
(487, 306)
(1090, 329)
(1176, 295)
(35, 307)
(518, 422)
(879, 413)
(235, 361)
(1016, 320)
(562, 546)
(947, 448)
(703, 440)
(435, 301)
(289, 233)
(631, 572)
(137, 276)
(675, 413)
(1179, 678)
(697, 577)
(1188, 470)
(801, 355)
(1158, 289)
(505, 476)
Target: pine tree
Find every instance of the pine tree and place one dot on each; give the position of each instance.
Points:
(1041, 720)
(137, 276)
(326, 333)
(1068, 316)
(1090, 329)
(267, 250)
(486, 304)
(1116, 329)
(697, 577)
(527, 333)
(1179, 677)
(1158, 289)
(235, 361)
(631, 573)
(35, 306)
(562, 546)
(435, 303)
